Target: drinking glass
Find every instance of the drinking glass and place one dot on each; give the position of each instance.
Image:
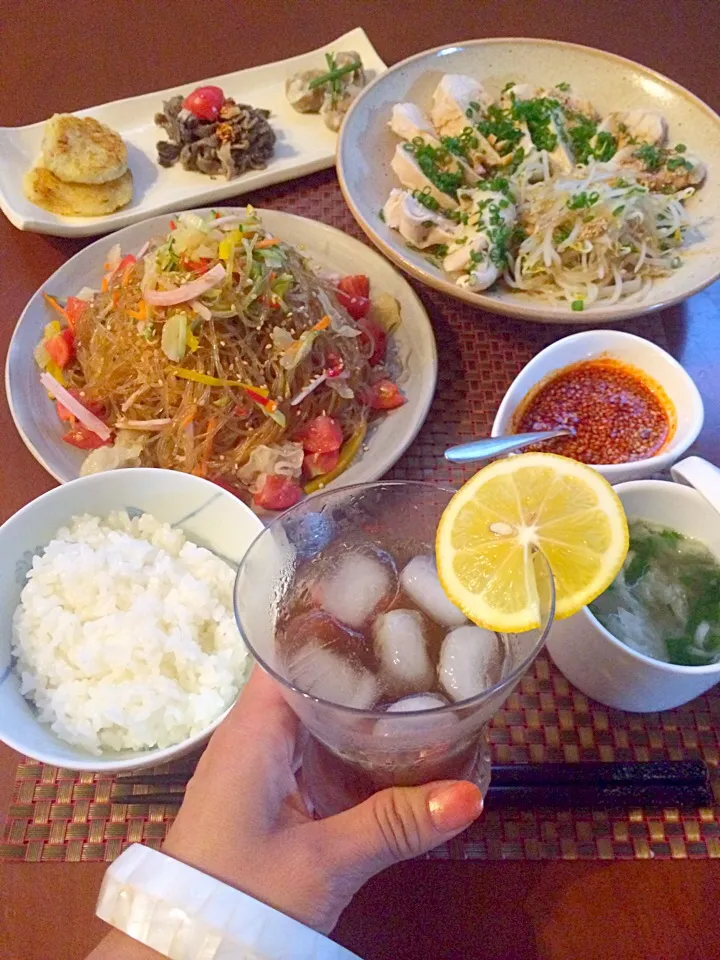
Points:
(349, 753)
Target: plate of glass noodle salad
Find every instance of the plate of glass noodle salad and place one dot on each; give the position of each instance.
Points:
(271, 354)
(537, 179)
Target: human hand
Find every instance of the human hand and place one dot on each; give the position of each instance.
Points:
(244, 822)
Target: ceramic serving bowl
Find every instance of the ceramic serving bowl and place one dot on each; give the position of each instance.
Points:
(208, 515)
(635, 351)
(366, 147)
(602, 666)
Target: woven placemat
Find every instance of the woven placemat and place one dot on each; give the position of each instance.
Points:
(61, 815)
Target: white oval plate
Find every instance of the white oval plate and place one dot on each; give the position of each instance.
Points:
(366, 146)
(304, 144)
(34, 413)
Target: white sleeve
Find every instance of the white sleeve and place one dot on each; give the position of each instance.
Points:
(186, 915)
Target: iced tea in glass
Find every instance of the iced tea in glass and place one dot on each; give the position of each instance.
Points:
(340, 601)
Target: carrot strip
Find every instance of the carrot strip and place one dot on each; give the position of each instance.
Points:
(202, 467)
(52, 302)
(267, 242)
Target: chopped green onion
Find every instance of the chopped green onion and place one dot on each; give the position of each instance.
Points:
(578, 305)
(334, 74)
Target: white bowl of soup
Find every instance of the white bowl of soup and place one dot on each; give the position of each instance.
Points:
(634, 409)
(664, 606)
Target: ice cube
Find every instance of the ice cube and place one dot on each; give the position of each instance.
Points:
(318, 628)
(362, 583)
(322, 673)
(420, 582)
(400, 643)
(471, 661)
(417, 701)
(427, 723)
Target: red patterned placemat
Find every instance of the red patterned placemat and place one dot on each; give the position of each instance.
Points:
(61, 815)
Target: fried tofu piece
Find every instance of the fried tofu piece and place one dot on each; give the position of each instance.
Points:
(82, 150)
(43, 188)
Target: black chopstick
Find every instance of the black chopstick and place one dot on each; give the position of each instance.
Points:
(681, 783)
(600, 796)
(588, 772)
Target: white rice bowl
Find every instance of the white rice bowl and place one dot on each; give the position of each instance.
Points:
(124, 638)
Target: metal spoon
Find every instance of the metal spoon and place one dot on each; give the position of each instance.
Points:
(494, 446)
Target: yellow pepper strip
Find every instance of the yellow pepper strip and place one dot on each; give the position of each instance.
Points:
(347, 455)
(104, 285)
(209, 381)
(52, 302)
(51, 330)
(258, 395)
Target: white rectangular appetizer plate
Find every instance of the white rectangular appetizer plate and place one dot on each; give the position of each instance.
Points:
(304, 145)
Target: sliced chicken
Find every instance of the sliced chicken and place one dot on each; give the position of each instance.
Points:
(521, 91)
(475, 237)
(451, 102)
(561, 157)
(459, 255)
(482, 276)
(572, 103)
(639, 125)
(414, 222)
(407, 170)
(408, 121)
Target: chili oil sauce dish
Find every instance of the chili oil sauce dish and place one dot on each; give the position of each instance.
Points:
(634, 409)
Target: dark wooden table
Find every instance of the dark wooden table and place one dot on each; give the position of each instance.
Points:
(58, 56)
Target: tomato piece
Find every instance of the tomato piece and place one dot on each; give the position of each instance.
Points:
(353, 293)
(357, 307)
(383, 395)
(377, 335)
(334, 365)
(277, 493)
(205, 102)
(200, 265)
(226, 485)
(94, 406)
(355, 286)
(127, 261)
(323, 434)
(84, 439)
(61, 347)
(74, 309)
(318, 464)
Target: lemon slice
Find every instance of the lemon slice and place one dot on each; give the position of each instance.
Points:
(488, 532)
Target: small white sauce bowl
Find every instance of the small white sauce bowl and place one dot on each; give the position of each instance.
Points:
(635, 351)
(208, 515)
(602, 666)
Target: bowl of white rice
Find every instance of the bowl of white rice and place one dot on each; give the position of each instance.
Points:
(120, 649)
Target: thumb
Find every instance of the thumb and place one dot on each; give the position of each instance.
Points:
(401, 823)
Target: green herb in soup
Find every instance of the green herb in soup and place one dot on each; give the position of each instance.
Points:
(665, 602)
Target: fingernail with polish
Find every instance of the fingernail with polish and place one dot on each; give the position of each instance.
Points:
(455, 806)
